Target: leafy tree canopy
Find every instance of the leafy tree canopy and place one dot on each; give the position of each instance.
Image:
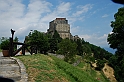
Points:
(40, 40)
(116, 41)
(68, 49)
(116, 38)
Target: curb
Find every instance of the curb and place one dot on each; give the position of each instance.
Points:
(24, 75)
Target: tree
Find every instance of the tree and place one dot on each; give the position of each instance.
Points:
(5, 44)
(40, 40)
(116, 38)
(113, 60)
(116, 41)
(54, 42)
(53, 45)
(79, 47)
(100, 64)
(57, 36)
(68, 49)
(3, 39)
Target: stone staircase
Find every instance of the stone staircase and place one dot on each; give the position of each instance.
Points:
(9, 68)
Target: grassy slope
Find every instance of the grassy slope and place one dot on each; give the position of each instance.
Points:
(43, 68)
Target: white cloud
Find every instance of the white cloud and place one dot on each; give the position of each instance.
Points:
(95, 39)
(105, 15)
(64, 7)
(85, 36)
(37, 7)
(10, 13)
(35, 16)
(82, 9)
(15, 15)
(103, 37)
(75, 30)
(111, 33)
(62, 10)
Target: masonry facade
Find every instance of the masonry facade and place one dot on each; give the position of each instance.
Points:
(61, 26)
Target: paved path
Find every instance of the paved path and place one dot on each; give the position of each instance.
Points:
(1, 54)
(12, 68)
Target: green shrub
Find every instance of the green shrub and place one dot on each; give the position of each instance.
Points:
(5, 45)
(100, 64)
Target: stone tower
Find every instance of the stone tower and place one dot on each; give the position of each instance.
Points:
(61, 26)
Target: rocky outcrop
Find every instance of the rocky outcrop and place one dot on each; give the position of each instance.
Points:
(109, 73)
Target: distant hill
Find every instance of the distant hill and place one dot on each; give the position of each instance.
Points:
(110, 50)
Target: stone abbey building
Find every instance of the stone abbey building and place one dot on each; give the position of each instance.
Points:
(61, 26)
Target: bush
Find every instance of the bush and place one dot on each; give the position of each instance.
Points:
(100, 64)
(5, 45)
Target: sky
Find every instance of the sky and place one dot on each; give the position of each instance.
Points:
(89, 19)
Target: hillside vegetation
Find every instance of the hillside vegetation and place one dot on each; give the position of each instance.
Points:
(47, 68)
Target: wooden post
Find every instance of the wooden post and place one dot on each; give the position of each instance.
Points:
(14, 53)
(23, 50)
(11, 47)
(12, 32)
(11, 44)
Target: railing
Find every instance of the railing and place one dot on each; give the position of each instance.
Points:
(33, 49)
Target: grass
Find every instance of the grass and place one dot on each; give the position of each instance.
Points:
(44, 68)
(77, 74)
(94, 73)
